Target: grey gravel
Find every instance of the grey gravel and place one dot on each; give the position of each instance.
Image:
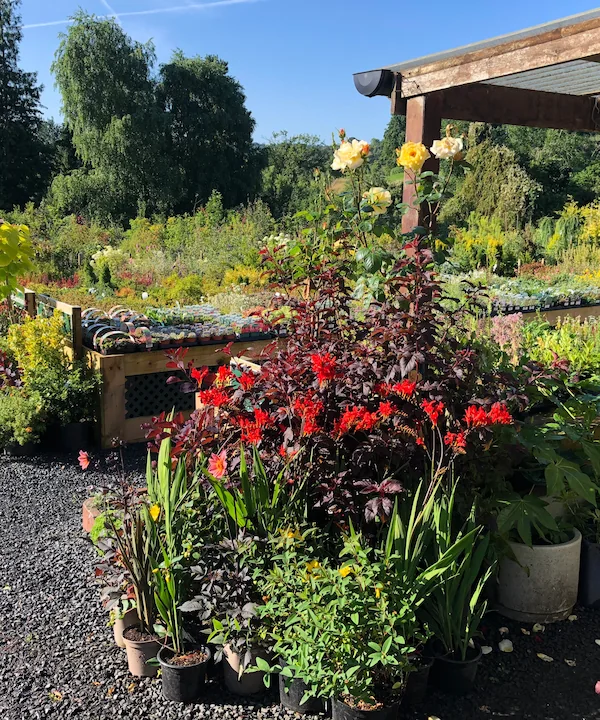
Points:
(57, 656)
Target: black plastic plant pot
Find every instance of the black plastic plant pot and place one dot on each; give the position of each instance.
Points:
(417, 682)
(292, 697)
(589, 575)
(75, 437)
(16, 450)
(341, 711)
(182, 683)
(455, 676)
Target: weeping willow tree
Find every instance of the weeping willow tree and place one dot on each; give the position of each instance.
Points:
(497, 187)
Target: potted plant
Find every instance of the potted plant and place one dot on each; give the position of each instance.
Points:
(455, 607)
(122, 615)
(538, 577)
(135, 543)
(22, 420)
(183, 663)
(586, 519)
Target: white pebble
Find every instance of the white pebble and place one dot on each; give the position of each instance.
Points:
(505, 645)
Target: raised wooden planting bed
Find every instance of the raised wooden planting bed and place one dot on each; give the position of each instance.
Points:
(135, 389)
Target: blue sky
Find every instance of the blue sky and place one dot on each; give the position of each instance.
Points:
(294, 58)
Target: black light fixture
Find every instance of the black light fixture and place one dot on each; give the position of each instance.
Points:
(375, 82)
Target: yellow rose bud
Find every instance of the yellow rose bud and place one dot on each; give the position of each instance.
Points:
(412, 156)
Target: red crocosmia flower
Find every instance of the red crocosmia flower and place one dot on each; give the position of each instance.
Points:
(262, 418)
(217, 464)
(456, 440)
(198, 374)
(224, 374)
(386, 409)
(214, 397)
(476, 416)
(406, 388)
(308, 410)
(324, 367)
(499, 415)
(84, 460)
(420, 442)
(433, 409)
(247, 380)
(251, 433)
(383, 389)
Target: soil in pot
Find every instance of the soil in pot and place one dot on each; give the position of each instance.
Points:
(291, 697)
(361, 711)
(250, 683)
(589, 575)
(128, 619)
(453, 675)
(141, 647)
(417, 681)
(183, 676)
(541, 586)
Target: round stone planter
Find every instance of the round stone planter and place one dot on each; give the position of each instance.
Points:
(541, 586)
(249, 683)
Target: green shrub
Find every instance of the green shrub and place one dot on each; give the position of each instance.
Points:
(22, 417)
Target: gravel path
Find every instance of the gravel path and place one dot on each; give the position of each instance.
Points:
(57, 658)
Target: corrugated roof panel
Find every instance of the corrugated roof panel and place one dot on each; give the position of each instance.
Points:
(510, 37)
(579, 77)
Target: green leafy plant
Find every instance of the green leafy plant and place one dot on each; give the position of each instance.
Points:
(526, 518)
(454, 609)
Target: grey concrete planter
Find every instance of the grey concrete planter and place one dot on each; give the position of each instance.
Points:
(542, 585)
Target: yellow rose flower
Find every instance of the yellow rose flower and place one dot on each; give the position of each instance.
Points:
(379, 199)
(412, 156)
(155, 512)
(345, 571)
(447, 148)
(350, 155)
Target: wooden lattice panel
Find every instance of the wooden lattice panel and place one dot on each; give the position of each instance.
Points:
(149, 395)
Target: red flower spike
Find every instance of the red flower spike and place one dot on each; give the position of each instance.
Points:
(224, 374)
(433, 410)
(499, 415)
(406, 388)
(324, 367)
(386, 409)
(247, 380)
(213, 397)
(198, 374)
(476, 416)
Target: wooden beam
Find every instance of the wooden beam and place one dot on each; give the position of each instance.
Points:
(514, 106)
(423, 121)
(572, 42)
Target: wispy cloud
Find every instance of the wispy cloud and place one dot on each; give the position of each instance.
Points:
(110, 9)
(190, 7)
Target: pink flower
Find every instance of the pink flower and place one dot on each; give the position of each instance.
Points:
(84, 460)
(597, 688)
(217, 464)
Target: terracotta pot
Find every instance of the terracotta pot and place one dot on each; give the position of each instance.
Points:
(249, 683)
(542, 585)
(89, 514)
(138, 654)
(130, 618)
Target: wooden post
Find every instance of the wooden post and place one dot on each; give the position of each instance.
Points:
(423, 124)
(112, 414)
(76, 332)
(30, 307)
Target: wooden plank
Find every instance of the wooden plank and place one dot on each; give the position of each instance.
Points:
(514, 106)
(76, 332)
(30, 306)
(552, 316)
(112, 412)
(572, 42)
(143, 363)
(423, 121)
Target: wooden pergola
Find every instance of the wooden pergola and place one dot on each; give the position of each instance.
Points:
(547, 77)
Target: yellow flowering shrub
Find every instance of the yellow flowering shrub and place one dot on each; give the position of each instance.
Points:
(38, 341)
(480, 243)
